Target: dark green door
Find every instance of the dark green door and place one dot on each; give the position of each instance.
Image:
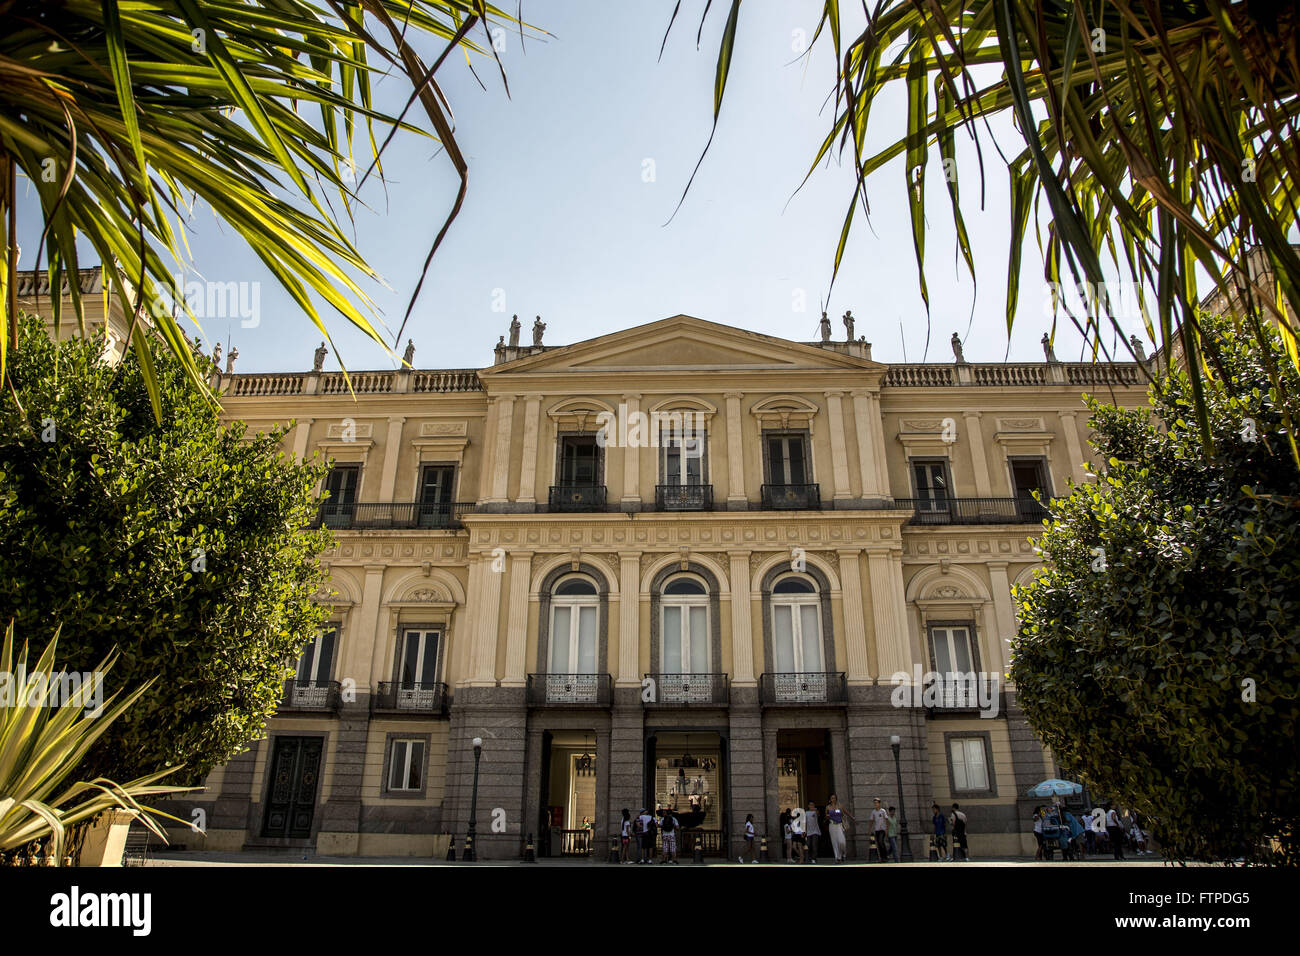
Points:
(291, 795)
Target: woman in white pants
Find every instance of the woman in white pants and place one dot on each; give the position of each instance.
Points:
(839, 819)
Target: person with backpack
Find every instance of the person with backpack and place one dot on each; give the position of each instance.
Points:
(959, 832)
(668, 836)
(644, 828)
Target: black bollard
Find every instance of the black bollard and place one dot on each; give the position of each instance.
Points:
(451, 849)
(613, 849)
(762, 852)
(934, 850)
(530, 852)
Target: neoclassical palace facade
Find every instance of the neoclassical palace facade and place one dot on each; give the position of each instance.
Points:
(676, 565)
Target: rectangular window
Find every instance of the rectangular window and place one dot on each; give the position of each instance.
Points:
(970, 771)
(787, 459)
(406, 771)
(952, 650)
(797, 644)
(1029, 475)
(437, 488)
(932, 485)
(579, 460)
(341, 483)
(317, 661)
(683, 458)
(418, 664)
(573, 643)
(686, 639)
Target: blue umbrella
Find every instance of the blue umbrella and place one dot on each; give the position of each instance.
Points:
(1055, 788)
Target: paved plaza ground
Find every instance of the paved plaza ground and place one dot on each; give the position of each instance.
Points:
(205, 858)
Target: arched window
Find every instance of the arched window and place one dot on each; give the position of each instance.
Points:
(575, 612)
(796, 626)
(684, 624)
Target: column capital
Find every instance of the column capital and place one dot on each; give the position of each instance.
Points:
(396, 419)
(375, 568)
(734, 555)
(854, 552)
(629, 555)
(733, 396)
(834, 393)
(533, 396)
(865, 392)
(969, 413)
(631, 396)
(997, 565)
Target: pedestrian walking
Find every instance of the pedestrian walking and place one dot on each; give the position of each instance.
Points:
(787, 835)
(880, 829)
(798, 835)
(838, 820)
(892, 831)
(940, 824)
(1038, 832)
(749, 840)
(814, 830)
(959, 833)
(625, 837)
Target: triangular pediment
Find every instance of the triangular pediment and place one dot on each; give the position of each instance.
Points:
(684, 343)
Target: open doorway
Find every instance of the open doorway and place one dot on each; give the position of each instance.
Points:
(803, 774)
(568, 810)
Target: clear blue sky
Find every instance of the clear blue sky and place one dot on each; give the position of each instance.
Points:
(560, 220)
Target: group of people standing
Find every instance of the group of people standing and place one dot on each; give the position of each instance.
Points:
(805, 833)
(643, 831)
(1101, 828)
(802, 831)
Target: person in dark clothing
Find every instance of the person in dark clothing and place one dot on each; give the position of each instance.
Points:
(959, 832)
(940, 823)
(1115, 832)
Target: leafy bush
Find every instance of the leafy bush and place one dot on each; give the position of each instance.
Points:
(180, 545)
(1158, 652)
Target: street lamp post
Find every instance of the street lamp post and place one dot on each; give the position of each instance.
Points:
(895, 742)
(470, 854)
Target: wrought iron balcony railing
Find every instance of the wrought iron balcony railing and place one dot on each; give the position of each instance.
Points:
(684, 497)
(577, 498)
(681, 690)
(973, 510)
(962, 692)
(570, 690)
(310, 696)
(392, 514)
(791, 497)
(411, 698)
(803, 688)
